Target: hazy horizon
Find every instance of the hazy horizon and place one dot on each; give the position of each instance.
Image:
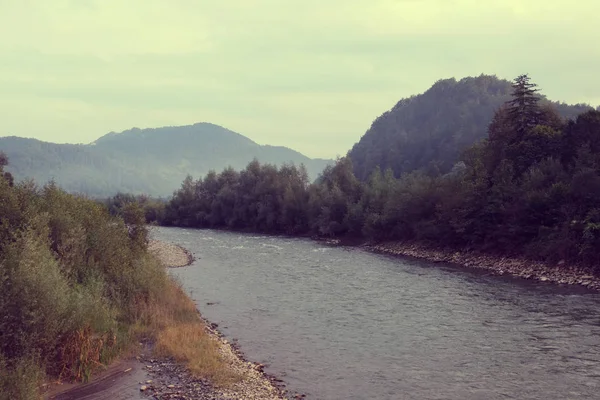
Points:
(308, 75)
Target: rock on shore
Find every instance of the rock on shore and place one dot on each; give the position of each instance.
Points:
(560, 273)
(170, 255)
(170, 380)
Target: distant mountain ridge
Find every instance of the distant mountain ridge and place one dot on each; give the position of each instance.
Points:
(152, 161)
(429, 130)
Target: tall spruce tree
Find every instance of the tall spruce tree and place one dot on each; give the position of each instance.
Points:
(523, 109)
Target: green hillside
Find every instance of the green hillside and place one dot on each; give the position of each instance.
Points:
(151, 161)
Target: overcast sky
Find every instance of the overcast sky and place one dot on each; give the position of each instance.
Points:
(308, 74)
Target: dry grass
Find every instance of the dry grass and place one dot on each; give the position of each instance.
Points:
(170, 306)
(175, 326)
(188, 343)
(81, 353)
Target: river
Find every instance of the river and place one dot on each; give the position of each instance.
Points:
(340, 323)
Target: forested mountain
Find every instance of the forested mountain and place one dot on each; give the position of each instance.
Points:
(151, 161)
(429, 131)
(532, 188)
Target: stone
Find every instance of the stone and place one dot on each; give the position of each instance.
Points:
(143, 388)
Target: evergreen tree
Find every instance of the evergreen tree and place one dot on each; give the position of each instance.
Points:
(523, 108)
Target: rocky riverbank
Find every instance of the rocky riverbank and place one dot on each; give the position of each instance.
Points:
(560, 273)
(171, 255)
(170, 380)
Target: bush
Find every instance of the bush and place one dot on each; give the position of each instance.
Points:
(76, 286)
(21, 380)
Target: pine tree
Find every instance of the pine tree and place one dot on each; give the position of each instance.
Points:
(523, 109)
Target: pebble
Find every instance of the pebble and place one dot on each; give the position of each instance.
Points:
(169, 254)
(560, 273)
(171, 375)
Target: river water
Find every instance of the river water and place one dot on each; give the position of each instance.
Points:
(340, 323)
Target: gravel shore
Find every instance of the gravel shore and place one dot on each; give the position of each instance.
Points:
(170, 255)
(560, 273)
(170, 380)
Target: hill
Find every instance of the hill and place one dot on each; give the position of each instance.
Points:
(151, 161)
(431, 129)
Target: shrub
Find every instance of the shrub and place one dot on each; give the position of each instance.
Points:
(77, 287)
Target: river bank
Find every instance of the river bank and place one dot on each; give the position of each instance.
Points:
(560, 273)
(170, 379)
(189, 360)
(170, 255)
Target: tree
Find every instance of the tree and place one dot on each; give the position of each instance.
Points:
(523, 109)
(582, 136)
(7, 175)
(135, 219)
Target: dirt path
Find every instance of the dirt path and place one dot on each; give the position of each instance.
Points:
(121, 381)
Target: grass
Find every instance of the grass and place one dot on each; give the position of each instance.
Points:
(174, 325)
(189, 344)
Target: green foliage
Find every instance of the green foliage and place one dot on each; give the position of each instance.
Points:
(71, 278)
(6, 175)
(523, 108)
(428, 132)
(532, 188)
(20, 381)
(153, 209)
(261, 198)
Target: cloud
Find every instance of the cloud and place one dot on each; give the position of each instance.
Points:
(308, 74)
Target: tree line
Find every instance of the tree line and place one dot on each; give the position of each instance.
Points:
(531, 188)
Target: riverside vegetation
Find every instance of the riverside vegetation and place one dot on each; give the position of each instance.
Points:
(530, 189)
(79, 288)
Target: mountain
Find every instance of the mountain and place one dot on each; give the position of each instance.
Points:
(431, 129)
(151, 161)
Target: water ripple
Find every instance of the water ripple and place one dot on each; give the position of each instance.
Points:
(339, 324)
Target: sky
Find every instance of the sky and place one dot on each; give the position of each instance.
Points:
(310, 74)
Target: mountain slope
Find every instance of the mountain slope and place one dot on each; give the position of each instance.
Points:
(152, 161)
(431, 129)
